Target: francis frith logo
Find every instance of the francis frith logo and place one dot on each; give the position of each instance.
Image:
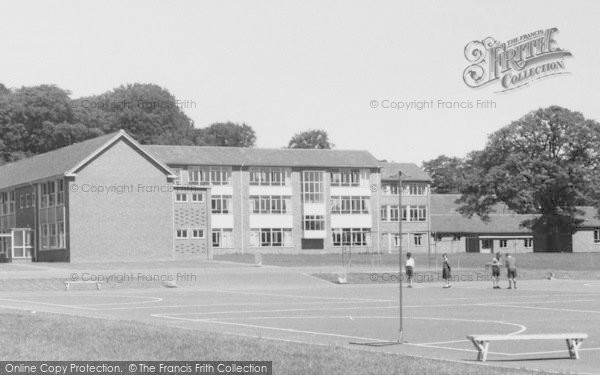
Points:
(515, 63)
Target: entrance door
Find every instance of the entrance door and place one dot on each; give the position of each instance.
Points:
(22, 243)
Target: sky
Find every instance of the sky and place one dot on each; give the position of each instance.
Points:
(287, 66)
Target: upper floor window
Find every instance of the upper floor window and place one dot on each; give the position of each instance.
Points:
(269, 176)
(209, 176)
(389, 188)
(270, 204)
(221, 204)
(350, 205)
(416, 189)
(7, 203)
(314, 222)
(313, 190)
(345, 177)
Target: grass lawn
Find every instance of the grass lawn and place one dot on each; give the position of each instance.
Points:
(43, 336)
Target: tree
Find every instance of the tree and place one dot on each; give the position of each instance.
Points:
(448, 174)
(227, 134)
(318, 139)
(548, 163)
(146, 111)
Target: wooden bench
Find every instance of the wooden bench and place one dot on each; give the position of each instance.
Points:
(573, 340)
(69, 282)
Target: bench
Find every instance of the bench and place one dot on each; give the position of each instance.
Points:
(573, 340)
(69, 282)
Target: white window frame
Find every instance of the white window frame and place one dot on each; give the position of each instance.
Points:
(503, 244)
(197, 197)
(197, 233)
(597, 236)
(222, 206)
(182, 234)
(314, 222)
(528, 243)
(181, 197)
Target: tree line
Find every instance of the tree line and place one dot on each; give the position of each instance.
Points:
(547, 163)
(39, 119)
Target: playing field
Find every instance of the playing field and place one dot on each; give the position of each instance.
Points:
(293, 306)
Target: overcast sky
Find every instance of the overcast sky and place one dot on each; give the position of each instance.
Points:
(283, 66)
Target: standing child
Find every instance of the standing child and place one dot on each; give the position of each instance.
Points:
(496, 271)
(446, 273)
(511, 271)
(410, 265)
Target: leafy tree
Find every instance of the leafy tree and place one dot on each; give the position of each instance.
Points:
(318, 139)
(146, 111)
(227, 134)
(448, 174)
(547, 162)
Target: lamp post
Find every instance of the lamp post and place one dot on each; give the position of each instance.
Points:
(400, 329)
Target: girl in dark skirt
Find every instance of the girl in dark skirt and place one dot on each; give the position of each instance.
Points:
(446, 273)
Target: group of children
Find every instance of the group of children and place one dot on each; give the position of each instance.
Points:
(510, 263)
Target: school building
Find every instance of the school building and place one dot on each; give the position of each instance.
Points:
(110, 199)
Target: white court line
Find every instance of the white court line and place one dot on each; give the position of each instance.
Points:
(152, 300)
(234, 304)
(361, 308)
(554, 308)
(305, 297)
(521, 327)
(45, 304)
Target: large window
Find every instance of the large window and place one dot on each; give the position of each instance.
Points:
(390, 213)
(270, 204)
(269, 176)
(418, 213)
(350, 205)
(271, 237)
(222, 238)
(209, 176)
(416, 189)
(389, 188)
(351, 237)
(314, 222)
(597, 235)
(345, 177)
(313, 187)
(221, 204)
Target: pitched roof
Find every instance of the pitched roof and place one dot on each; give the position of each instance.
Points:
(590, 217)
(230, 156)
(446, 219)
(62, 161)
(410, 172)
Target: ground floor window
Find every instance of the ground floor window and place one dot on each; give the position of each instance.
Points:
(270, 237)
(503, 243)
(528, 242)
(222, 238)
(181, 234)
(314, 222)
(486, 244)
(418, 239)
(597, 235)
(351, 236)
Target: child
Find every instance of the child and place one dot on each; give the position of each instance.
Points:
(496, 271)
(511, 271)
(446, 274)
(410, 265)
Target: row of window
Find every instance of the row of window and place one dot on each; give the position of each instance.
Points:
(391, 188)
(350, 205)
(270, 237)
(189, 233)
(489, 243)
(417, 213)
(270, 204)
(7, 203)
(52, 235)
(189, 197)
(53, 194)
(349, 177)
(270, 176)
(417, 238)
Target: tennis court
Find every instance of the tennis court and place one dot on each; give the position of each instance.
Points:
(435, 320)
